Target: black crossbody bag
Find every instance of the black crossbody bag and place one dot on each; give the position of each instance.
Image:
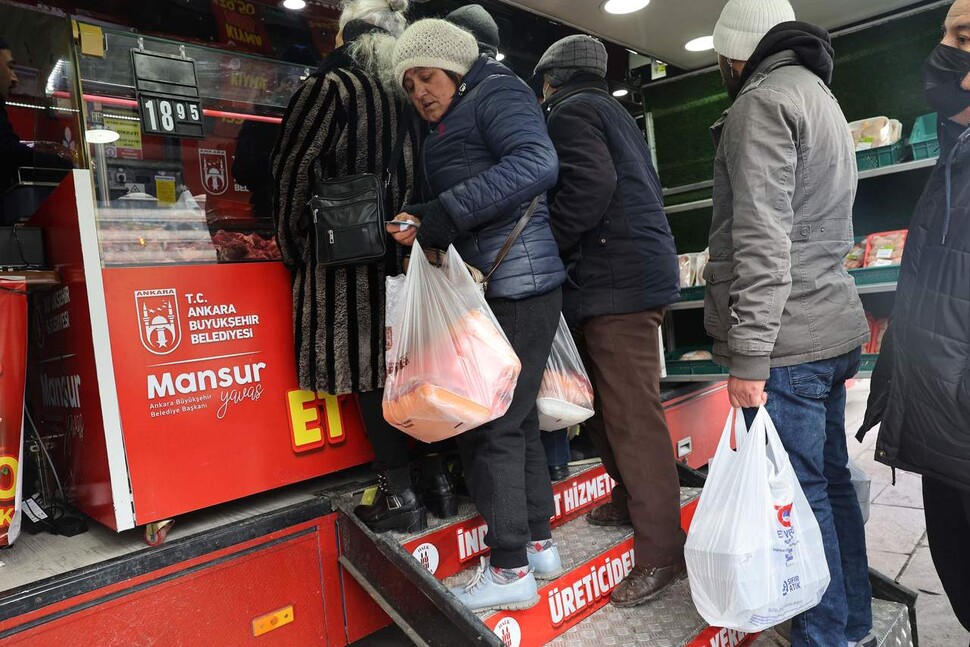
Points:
(348, 213)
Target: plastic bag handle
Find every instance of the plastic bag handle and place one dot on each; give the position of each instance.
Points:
(773, 441)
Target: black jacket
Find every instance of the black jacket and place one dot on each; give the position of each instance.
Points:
(607, 209)
(13, 152)
(921, 387)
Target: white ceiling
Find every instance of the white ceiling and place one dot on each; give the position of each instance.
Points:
(664, 26)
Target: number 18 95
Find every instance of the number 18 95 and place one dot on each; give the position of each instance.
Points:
(166, 112)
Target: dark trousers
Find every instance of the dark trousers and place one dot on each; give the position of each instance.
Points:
(947, 512)
(630, 431)
(390, 445)
(505, 464)
(556, 444)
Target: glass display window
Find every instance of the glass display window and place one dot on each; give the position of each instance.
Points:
(166, 200)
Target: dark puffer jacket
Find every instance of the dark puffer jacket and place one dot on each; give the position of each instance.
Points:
(607, 210)
(485, 161)
(921, 387)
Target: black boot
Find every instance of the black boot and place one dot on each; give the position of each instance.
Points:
(396, 506)
(437, 489)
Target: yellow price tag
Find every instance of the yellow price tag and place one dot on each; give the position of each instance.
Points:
(370, 494)
(165, 189)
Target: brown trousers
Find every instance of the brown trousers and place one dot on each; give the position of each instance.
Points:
(630, 431)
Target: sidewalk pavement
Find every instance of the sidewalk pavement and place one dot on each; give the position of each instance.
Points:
(896, 533)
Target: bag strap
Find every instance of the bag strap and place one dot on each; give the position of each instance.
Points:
(402, 129)
(516, 232)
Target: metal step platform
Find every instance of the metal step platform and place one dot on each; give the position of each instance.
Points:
(409, 576)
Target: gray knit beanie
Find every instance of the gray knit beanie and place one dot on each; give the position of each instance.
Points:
(570, 56)
(434, 43)
(480, 23)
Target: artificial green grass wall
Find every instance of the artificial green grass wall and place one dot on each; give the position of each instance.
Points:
(877, 72)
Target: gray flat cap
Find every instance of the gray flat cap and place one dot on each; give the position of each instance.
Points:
(572, 55)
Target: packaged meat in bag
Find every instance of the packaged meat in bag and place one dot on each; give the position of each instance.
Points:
(450, 367)
(885, 249)
(566, 393)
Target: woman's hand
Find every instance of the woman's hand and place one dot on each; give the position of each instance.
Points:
(404, 235)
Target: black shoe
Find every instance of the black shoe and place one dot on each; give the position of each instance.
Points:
(399, 510)
(559, 473)
(437, 490)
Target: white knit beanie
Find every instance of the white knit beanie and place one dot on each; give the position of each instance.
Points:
(744, 23)
(434, 43)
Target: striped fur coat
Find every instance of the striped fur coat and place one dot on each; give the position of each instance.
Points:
(340, 122)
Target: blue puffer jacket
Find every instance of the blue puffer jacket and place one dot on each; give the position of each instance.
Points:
(485, 161)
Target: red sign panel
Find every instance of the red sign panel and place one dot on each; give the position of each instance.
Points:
(241, 26)
(13, 375)
(453, 547)
(203, 359)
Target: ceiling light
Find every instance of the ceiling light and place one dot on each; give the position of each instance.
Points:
(294, 5)
(101, 136)
(702, 44)
(500, 57)
(624, 6)
(622, 92)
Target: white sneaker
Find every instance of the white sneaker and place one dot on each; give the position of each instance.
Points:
(483, 593)
(546, 563)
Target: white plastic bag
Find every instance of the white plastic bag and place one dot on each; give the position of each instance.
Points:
(862, 485)
(754, 551)
(450, 367)
(566, 394)
(393, 298)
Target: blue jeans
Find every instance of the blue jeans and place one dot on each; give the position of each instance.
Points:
(807, 404)
(556, 444)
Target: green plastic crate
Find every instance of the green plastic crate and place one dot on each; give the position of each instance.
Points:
(874, 275)
(879, 157)
(924, 140)
(677, 367)
(868, 364)
(695, 293)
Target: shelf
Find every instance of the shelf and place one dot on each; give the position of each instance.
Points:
(902, 167)
(870, 280)
(35, 279)
(689, 206)
(863, 175)
(687, 188)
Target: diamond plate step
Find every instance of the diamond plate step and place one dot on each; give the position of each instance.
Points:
(890, 623)
(448, 546)
(596, 560)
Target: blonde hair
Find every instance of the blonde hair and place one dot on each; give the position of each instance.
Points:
(386, 14)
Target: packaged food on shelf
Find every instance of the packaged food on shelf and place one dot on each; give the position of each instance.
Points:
(856, 256)
(700, 264)
(875, 132)
(686, 262)
(885, 249)
(877, 329)
(692, 268)
(696, 356)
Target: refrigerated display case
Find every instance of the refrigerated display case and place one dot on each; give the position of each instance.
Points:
(170, 382)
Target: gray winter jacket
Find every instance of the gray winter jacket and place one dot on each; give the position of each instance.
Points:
(784, 183)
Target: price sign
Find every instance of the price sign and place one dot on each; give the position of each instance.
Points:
(162, 115)
(168, 94)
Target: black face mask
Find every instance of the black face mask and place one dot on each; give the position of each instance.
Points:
(943, 72)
